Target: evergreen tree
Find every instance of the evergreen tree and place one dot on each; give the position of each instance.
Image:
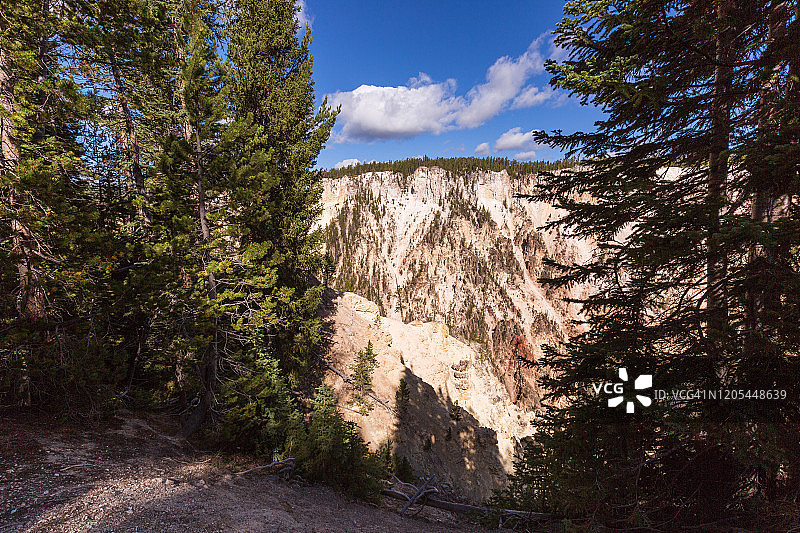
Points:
(195, 158)
(334, 452)
(156, 200)
(262, 252)
(259, 409)
(47, 219)
(274, 193)
(401, 397)
(690, 88)
(363, 366)
(456, 165)
(118, 52)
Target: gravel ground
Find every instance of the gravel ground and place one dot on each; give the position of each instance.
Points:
(126, 475)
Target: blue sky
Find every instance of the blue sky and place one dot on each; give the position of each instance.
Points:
(438, 78)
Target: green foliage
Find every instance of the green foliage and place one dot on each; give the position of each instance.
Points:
(395, 463)
(332, 451)
(402, 397)
(685, 271)
(455, 165)
(274, 191)
(157, 213)
(257, 408)
(402, 468)
(385, 455)
(54, 252)
(363, 367)
(145, 221)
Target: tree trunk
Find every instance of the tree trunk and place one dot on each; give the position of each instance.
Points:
(211, 357)
(717, 266)
(133, 175)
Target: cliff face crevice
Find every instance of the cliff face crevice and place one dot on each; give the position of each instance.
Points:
(459, 249)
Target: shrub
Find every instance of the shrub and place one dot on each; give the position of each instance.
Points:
(258, 408)
(395, 463)
(333, 452)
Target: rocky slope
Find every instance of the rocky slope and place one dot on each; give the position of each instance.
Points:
(126, 475)
(458, 421)
(459, 249)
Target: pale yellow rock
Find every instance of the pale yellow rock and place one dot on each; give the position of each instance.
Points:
(451, 392)
(460, 248)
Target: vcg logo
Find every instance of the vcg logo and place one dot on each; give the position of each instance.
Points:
(644, 381)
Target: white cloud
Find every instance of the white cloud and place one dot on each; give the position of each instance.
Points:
(556, 53)
(420, 81)
(504, 80)
(531, 96)
(303, 16)
(482, 149)
(525, 156)
(515, 139)
(371, 112)
(346, 163)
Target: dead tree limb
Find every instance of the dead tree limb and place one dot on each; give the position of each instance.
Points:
(417, 494)
(400, 482)
(289, 463)
(465, 508)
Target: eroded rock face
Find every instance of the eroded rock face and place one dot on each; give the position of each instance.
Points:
(458, 249)
(459, 422)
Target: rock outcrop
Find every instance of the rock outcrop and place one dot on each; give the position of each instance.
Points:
(458, 421)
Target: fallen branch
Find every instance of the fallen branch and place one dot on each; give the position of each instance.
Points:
(417, 494)
(423, 497)
(288, 463)
(401, 483)
(465, 508)
(75, 466)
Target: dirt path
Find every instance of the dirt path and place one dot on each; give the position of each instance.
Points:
(126, 476)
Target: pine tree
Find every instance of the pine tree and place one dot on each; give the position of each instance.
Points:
(157, 211)
(195, 159)
(119, 49)
(334, 452)
(402, 397)
(274, 192)
(363, 367)
(260, 247)
(684, 88)
(47, 217)
(259, 410)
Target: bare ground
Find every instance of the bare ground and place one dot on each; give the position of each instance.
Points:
(126, 475)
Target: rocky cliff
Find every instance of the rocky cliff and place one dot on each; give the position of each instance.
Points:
(457, 420)
(459, 249)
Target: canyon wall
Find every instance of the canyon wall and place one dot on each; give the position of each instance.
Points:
(461, 250)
